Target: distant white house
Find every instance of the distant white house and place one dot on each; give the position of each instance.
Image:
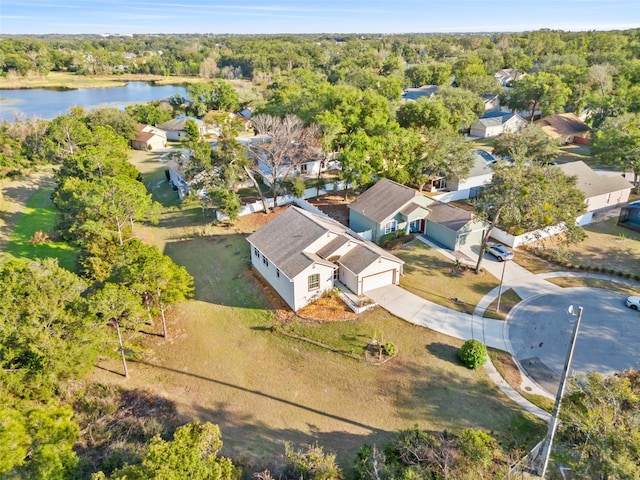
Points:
(303, 255)
(494, 123)
(507, 76)
(470, 186)
(175, 129)
(149, 138)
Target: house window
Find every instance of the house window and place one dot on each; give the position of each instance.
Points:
(265, 261)
(415, 226)
(304, 168)
(314, 281)
(391, 226)
(439, 183)
(256, 252)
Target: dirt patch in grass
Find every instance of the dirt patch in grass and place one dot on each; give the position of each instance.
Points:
(334, 205)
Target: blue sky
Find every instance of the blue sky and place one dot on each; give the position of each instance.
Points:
(312, 16)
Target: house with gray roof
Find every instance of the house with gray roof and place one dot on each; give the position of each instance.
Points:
(176, 129)
(602, 191)
(453, 227)
(414, 94)
(303, 255)
(388, 207)
(494, 123)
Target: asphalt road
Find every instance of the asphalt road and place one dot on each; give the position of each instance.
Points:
(540, 327)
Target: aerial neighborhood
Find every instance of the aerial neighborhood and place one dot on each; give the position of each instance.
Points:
(359, 256)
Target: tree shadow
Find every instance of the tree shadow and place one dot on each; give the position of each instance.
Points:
(445, 352)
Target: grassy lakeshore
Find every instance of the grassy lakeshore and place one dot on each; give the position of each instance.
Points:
(71, 81)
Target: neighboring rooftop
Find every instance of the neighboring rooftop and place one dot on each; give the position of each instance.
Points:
(416, 93)
(383, 200)
(562, 124)
(592, 184)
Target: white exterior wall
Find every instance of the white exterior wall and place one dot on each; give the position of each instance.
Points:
(176, 135)
(283, 285)
(301, 294)
(608, 200)
(529, 237)
(382, 265)
(349, 279)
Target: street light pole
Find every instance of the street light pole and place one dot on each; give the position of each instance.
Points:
(504, 265)
(553, 423)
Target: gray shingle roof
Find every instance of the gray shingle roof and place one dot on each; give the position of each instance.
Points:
(592, 184)
(359, 258)
(286, 241)
(382, 200)
(453, 218)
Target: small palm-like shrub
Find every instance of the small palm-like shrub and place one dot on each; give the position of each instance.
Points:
(473, 354)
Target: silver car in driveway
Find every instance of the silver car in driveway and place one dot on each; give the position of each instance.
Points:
(499, 251)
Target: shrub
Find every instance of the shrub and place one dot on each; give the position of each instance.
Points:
(473, 354)
(389, 349)
(385, 240)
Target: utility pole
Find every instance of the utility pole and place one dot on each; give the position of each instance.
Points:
(553, 423)
(504, 265)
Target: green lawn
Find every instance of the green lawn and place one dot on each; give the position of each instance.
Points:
(39, 215)
(430, 275)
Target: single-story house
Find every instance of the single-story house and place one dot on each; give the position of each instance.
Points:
(149, 138)
(470, 186)
(175, 129)
(303, 255)
(314, 164)
(630, 216)
(453, 227)
(566, 128)
(494, 123)
(414, 94)
(507, 76)
(601, 191)
(387, 207)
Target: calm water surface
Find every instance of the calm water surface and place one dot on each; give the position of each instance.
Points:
(48, 104)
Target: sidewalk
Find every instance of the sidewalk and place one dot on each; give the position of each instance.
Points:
(493, 333)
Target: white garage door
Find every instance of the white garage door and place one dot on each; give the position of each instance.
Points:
(378, 280)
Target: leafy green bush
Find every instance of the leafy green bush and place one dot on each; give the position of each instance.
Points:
(473, 354)
(389, 349)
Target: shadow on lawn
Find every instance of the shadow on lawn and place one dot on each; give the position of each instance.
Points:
(460, 399)
(219, 265)
(249, 440)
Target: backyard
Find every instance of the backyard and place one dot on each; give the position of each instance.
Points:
(225, 361)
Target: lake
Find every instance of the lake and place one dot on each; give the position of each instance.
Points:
(48, 104)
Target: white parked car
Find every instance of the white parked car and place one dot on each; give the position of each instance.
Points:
(499, 251)
(633, 302)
